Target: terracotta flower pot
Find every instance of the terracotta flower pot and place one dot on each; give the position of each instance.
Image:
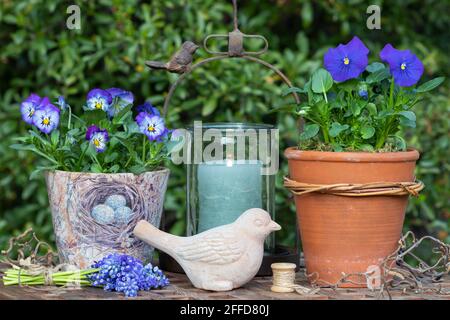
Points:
(343, 234)
(90, 224)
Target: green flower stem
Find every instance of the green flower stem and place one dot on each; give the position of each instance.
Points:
(82, 157)
(70, 118)
(144, 143)
(12, 277)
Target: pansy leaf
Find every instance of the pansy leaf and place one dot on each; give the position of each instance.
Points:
(430, 85)
(367, 132)
(378, 76)
(372, 108)
(375, 66)
(310, 131)
(366, 147)
(337, 128)
(411, 116)
(292, 90)
(407, 123)
(348, 85)
(54, 137)
(321, 81)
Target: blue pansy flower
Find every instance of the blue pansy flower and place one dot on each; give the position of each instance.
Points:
(347, 61)
(29, 106)
(404, 66)
(148, 108)
(151, 125)
(98, 99)
(62, 103)
(46, 117)
(121, 99)
(97, 138)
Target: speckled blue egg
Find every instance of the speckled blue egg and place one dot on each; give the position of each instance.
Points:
(123, 215)
(103, 214)
(116, 201)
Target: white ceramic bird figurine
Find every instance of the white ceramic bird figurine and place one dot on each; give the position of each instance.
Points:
(219, 259)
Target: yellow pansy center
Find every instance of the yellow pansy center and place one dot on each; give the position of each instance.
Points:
(346, 61)
(98, 105)
(151, 128)
(403, 66)
(46, 121)
(96, 142)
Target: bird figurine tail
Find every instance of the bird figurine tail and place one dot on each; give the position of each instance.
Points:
(156, 64)
(155, 237)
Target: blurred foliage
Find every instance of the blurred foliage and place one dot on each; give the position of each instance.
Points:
(39, 54)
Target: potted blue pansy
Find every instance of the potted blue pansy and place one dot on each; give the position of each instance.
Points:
(104, 170)
(352, 171)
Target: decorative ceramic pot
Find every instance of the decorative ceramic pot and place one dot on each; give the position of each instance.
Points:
(342, 234)
(94, 214)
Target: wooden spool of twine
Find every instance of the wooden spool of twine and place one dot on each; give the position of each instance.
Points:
(356, 190)
(284, 280)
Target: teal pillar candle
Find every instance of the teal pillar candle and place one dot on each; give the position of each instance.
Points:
(226, 189)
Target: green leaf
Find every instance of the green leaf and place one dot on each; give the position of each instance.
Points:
(367, 132)
(289, 91)
(366, 147)
(404, 122)
(55, 137)
(356, 109)
(209, 107)
(378, 76)
(375, 66)
(349, 85)
(95, 168)
(411, 116)
(321, 81)
(372, 108)
(337, 128)
(430, 85)
(310, 131)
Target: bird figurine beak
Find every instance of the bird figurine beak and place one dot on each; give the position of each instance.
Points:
(274, 226)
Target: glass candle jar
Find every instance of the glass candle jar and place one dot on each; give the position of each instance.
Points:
(231, 168)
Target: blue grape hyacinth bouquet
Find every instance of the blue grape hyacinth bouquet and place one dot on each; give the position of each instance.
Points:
(115, 272)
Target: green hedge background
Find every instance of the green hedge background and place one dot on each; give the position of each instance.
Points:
(39, 54)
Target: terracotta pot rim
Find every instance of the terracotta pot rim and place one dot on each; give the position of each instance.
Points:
(160, 170)
(293, 153)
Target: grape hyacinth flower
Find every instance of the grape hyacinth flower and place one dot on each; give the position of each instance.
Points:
(347, 61)
(404, 66)
(148, 108)
(151, 125)
(29, 107)
(46, 117)
(123, 273)
(121, 99)
(98, 99)
(97, 137)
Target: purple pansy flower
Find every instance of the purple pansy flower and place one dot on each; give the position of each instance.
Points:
(46, 117)
(123, 99)
(97, 137)
(347, 61)
(98, 99)
(151, 125)
(404, 65)
(29, 106)
(148, 108)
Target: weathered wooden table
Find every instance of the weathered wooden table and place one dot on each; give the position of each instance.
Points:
(181, 289)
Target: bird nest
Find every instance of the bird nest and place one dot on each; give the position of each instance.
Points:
(114, 235)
